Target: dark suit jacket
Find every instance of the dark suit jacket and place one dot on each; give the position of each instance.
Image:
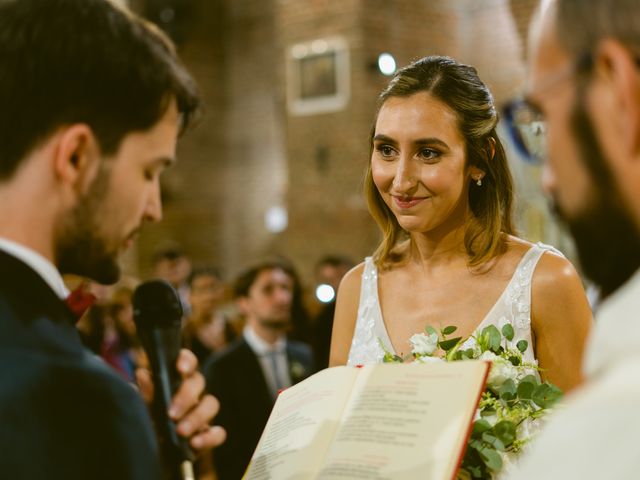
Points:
(235, 377)
(64, 414)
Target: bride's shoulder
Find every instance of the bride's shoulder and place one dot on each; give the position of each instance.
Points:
(553, 272)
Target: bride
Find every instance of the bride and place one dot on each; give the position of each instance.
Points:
(439, 187)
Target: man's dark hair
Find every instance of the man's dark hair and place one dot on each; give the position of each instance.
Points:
(171, 252)
(83, 61)
(245, 280)
(334, 261)
(203, 271)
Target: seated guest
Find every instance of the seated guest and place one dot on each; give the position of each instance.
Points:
(247, 376)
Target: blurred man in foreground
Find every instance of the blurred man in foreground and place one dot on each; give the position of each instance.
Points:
(584, 86)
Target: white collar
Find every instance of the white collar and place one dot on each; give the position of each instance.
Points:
(38, 263)
(259, 346)
(616, 335)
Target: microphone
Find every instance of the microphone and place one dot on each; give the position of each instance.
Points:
(157, 313)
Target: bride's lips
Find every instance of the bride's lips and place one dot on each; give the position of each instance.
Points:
(407, 202)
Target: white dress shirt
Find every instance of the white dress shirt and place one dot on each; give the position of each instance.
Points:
(38, 263)
(594, 435)
(264, 351)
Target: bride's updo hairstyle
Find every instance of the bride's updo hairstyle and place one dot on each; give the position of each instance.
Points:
(459, 87)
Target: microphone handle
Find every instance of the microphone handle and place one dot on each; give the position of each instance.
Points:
(163, 346)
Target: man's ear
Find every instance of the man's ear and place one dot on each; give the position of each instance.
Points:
(77, 156)
(242, 303)
(618, 66)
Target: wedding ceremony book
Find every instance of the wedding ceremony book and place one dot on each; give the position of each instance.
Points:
(384, 421)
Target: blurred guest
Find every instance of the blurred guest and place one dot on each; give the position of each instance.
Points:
(171, 263)
(247, 377)
(329, 271)
(206, 330)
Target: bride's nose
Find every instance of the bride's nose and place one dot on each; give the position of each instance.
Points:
(406, 175)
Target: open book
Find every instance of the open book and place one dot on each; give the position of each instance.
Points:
(385, 421)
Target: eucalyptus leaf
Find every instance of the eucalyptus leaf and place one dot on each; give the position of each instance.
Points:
(508, 332)
(525, 389)
(522, 345)
(430, 329)
(493, 338)
(515, 360)
(546, 395)
(480, 426)
(492, 440)
(531, 378)
(447, 345)
(449, 330)
(491, 459)
(508, 390)
(505, 431)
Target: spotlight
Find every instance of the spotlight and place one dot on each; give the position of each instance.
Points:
(386, 64)
(325, 293)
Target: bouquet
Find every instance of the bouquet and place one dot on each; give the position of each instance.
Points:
(512, 403)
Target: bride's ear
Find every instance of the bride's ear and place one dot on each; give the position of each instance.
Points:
(76, 158)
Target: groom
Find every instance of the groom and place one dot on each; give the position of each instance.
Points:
(585, 80)
(92, 99)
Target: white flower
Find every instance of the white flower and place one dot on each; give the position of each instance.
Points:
(424, 344)
(428, 359)
(501, 370)
(488, 355)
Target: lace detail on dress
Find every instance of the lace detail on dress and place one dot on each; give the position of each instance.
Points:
(513, 307)
(365, 346)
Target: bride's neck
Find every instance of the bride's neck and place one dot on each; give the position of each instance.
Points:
(438, 247)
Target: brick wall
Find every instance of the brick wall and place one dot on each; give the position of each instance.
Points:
(250, 153)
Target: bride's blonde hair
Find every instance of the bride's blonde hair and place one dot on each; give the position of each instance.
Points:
(461, 89)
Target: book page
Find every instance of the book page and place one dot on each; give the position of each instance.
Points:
(406, 421)
(302, 426)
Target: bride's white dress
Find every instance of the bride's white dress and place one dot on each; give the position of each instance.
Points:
(513, 307)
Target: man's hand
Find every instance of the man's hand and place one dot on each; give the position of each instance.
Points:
(191, 410)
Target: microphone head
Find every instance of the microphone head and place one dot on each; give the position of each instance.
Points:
(156, 304)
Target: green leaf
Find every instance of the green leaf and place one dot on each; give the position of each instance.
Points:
(522, 345)
(531, 378)
(508, 390)
(505, 431)
(491, 459)
(429, 329)
(480, 426)
(449, 330)
(492, 440)
(546, 395)
(508, 332)
(525, 389)
(469, 353)
(447, 345)
(487, 412)
(493, 337)
(515, 360)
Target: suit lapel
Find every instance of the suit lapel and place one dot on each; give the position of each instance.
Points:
(255, 380)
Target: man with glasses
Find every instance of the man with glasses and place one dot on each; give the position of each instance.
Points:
(582, 109)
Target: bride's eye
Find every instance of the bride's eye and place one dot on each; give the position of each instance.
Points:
(385, 151)
(429, 154)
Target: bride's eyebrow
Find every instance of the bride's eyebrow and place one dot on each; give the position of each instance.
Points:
(384, 138)
(431, 141)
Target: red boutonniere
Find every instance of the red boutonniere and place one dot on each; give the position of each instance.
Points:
(79, 301)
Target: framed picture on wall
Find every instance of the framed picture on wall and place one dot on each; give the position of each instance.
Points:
(318, 76)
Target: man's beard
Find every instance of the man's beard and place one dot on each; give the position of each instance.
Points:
(79, 248)
(605, 235)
